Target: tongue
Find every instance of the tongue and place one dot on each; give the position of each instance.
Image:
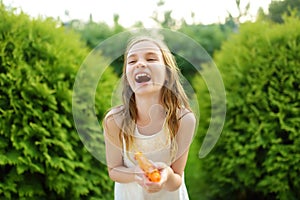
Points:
(142, 79)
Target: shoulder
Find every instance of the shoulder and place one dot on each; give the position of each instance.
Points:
(186, 132)
(186, 116)
(114, 114)
(187, 124)
(112, 121)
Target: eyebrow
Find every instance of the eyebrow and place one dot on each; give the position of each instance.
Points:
(147, 54)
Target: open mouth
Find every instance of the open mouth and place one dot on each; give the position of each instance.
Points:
(142, 78)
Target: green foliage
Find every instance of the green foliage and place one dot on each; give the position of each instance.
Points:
(209, 36)
(194, 173)
(41, 154)
(93, 33)
(257, 156)
(278, 8)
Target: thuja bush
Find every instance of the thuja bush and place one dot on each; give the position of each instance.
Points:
(257, 155)
(194, 173)
(41, 153)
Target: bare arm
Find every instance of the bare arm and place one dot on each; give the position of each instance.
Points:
(184, 139)
(116, 169)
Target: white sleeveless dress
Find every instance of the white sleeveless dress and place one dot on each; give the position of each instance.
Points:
(156, 148)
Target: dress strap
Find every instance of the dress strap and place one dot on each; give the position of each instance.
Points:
(184, 114)
(124, 144)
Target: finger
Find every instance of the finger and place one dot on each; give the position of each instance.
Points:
(160, 165)
(153, 190)
(154, 185)
(163, 175)
(139, 180)
(138, 170)
(137, 177)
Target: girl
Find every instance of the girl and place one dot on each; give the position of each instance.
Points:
(155, 119)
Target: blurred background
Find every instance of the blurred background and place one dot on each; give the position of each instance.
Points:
(255, 45)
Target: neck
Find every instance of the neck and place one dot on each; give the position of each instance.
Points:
(148, 108)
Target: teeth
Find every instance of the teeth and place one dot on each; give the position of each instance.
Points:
(140, 75)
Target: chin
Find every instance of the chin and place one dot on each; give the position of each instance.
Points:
(147, 89)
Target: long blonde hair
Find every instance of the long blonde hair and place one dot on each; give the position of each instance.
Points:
(173, 96)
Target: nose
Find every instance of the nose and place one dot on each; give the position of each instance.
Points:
(141, 64)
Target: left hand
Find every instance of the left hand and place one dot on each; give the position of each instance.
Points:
(165, 172)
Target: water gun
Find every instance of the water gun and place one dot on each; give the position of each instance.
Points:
(151, 172)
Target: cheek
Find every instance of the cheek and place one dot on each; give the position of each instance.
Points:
(128, 72)
(160, 78)
(164, 74)
(128, 75)
(128, 69)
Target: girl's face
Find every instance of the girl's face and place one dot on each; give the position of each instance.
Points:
(145, 68)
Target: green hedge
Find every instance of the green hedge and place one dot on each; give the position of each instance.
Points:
(41, 154)
(258, 154)
(193, 172)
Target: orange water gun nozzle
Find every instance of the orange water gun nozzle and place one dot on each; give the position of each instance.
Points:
(151, 172)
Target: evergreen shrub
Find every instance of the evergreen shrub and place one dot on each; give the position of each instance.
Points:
(258, 153)
(41, 153)
(194, 173)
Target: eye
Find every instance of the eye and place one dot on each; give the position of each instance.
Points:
(152, 59)
(131, 61)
